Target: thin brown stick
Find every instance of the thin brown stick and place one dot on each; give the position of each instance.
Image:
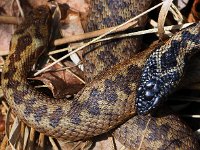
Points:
(10, 20)
(31, 139)
(41, 141)
(93, 34)
(131, 34)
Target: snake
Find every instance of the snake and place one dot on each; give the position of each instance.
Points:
(95, 109)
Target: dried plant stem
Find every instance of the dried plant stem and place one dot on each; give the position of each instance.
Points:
(77, 145)
(93, 34)
(31, 139)
(7, 108)
(69, 48)
(20, 8)
(98, 38)
(41, 141)
(155, 30)
(142, 32)
(55, 147)
(10, 20)
(162, 17)
(21, 139)
(177, 14)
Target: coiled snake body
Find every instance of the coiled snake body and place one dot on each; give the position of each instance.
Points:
(95, 110)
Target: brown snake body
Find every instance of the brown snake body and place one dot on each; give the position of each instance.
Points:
(109, 13)
(95, 110)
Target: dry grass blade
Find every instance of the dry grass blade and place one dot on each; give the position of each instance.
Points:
(89, 35)
(69, 48)
(162, 16)
(31, 140)
(26, 135)
(142, 32)
(41, 141)
(55, 147)
(20, 8)
(149, 31)
(98, 38)
(14, 134)
(177, 14)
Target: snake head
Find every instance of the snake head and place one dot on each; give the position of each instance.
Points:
(149, 95)
(157, 81)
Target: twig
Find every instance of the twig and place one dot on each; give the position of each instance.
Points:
(89, 35)
(98, 38)
(55, 147)
(10, 20)
(142, 32)
(155, 30)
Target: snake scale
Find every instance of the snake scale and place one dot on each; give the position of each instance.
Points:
(95, 109)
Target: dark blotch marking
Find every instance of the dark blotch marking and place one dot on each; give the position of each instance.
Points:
(121, 82)
(38, 33)
(112, 52)
(156, 134)
(75, 119)
(168, 59)
(176, 142)
(22, 28)
(39, 112)
(17, 98)
(29, 107)
(55, 117)
(22, 43)
(107, 57)
(91, 105)
(28, 110)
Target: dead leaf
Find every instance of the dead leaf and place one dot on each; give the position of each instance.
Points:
(62, 83)
(194, 15)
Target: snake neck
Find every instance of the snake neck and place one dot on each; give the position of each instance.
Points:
(165, 68)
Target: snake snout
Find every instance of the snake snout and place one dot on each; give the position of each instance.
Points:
(148, 96)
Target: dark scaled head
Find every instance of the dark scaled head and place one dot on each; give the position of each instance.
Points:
(159, 78)
(152, 88)
(150, 94)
